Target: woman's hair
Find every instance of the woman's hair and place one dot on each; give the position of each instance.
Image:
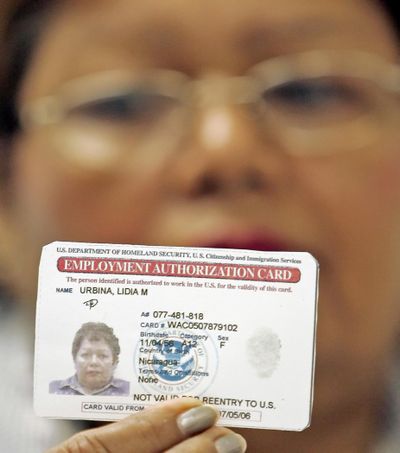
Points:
(96, 331)
(22, 33)
(20, 36)
(392, 9)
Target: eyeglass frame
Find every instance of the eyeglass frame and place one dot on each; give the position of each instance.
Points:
(242, 89)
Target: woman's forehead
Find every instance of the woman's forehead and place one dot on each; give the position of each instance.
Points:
(93, 341)
(154, 22)
(197, 34)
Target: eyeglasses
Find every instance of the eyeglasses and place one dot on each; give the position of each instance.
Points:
(312, 103)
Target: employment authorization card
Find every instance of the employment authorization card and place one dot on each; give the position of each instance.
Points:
(122, 327)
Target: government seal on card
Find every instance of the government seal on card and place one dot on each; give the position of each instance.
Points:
(175, 361)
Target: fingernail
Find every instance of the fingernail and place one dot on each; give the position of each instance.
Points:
(231, 443)
(197, 419)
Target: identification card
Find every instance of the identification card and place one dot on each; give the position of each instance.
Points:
(122, 327)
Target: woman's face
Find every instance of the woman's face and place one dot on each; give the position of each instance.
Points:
(225, 185)
(94, 364)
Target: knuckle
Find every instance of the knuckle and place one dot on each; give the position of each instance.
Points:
(201, 443)
(83, 443)
(149, 433)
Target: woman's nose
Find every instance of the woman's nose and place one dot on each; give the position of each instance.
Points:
(94, 359)
(227, 152)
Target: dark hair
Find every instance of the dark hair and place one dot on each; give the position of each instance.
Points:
(96, 331)
(22, 32)
(392, 9)
(20, 36)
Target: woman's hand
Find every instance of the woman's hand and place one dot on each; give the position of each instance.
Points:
(183, 425)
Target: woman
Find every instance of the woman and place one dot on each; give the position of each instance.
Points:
(95, 351)
(288, 140)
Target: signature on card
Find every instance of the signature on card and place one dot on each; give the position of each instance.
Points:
(91, 303)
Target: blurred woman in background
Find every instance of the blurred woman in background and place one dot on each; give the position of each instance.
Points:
(261, 125)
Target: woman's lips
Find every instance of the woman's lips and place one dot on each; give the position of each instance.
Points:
(93, 372)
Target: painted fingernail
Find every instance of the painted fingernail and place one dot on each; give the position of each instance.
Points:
(231, 443)
(197, 419)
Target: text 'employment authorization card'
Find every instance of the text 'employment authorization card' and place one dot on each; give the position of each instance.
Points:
(121, 327)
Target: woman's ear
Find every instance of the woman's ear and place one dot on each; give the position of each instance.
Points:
(8, 234)
(19, 254)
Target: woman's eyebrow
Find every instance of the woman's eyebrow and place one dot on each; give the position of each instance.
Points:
(160, 39)
(264, 38)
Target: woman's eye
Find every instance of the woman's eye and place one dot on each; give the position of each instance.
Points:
(129, 107)
(311, 94)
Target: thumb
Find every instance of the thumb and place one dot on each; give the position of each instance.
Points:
(154, 430)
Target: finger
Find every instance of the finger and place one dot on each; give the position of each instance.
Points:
(213, 440)
(151, 431)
